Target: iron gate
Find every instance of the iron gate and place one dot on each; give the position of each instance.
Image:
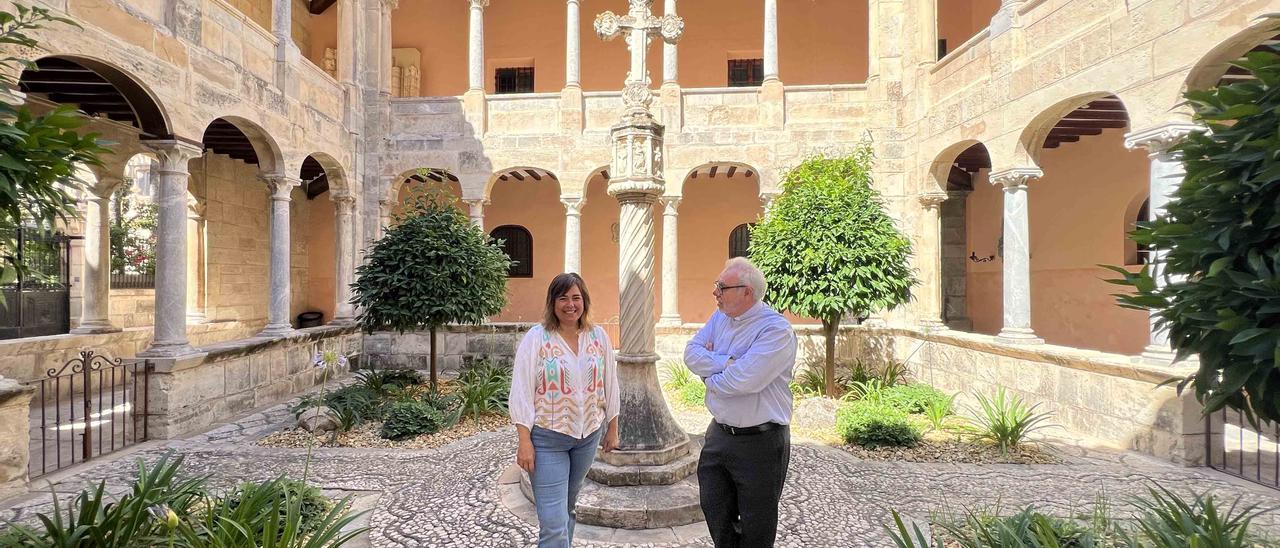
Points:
(89, 407)
(1238, 448)
(39, 301)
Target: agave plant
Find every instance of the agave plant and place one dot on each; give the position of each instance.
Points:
(1007, 421)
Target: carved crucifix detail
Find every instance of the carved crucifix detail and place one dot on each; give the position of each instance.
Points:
(639, 25)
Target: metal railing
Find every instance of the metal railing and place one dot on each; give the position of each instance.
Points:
(1238, 448)
(89, 407)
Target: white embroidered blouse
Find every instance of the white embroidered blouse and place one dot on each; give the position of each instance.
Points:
(553, 388)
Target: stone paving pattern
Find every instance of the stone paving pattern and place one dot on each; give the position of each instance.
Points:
(450, 496)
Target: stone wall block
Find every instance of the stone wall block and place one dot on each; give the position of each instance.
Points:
(15, 405)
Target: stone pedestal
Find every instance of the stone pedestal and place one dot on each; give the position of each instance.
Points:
(15, 440)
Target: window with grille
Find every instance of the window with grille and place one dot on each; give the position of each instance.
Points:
(740, 240)
(746, 72)
(517, 243)
(513, 80)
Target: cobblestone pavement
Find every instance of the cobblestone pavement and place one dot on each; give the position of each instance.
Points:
(448, 496)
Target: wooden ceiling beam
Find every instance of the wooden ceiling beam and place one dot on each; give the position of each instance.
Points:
(317, 7)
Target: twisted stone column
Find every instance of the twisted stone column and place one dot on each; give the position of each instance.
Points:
(344, 312)
(1017, 256)
(670, 265)
(95, 312)
(930, 252)
(572, 232)
(171, 248)
(1166, 175)
(278, 324)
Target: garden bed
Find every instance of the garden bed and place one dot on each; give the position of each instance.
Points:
(367, 435)
(945, 448)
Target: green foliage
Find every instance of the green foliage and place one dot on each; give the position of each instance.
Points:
(869, 391)
(38, 153)
(382, 381)
(915, 398)
(871, 424)
(686, 387)
(1006, 420)
(828, 248)
(430, 269)
(812, 381)
(1161, 520)
(260, 501)
(484, 388)
(938, 409)
(1219, 229)
(133, 233)
(1168, 520)
(160, 509)
(426, 414)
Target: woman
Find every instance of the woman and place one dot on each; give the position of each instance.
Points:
(564, 402)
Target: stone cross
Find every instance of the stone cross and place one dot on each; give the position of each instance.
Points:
(639, 25)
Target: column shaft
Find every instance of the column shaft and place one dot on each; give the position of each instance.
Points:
(95, 313)
(282, 22)
(635, 268)
(770, 39)
(475, 49)
(930, 250)
(171, 249)
(278, 323)
(343, 310)
(670, 264)
(1017, 257)
(197, 259)
(476, 212)
(670, 61)
(384, 60)
(572, 233)
(346, 41)
(572, 50)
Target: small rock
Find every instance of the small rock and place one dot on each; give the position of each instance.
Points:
(318, 419)
(816, 413)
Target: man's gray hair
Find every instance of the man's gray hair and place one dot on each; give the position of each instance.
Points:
(748, 274)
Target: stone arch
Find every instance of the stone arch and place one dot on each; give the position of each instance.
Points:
(128, 100)
(968, 155)
(1056, 124)
(957, 171)
(335, 177)
(423, 175)
(245, 140)
(1214, 65)
(712, 169)
(518, 173)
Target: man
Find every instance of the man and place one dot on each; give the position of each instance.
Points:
(745, 355)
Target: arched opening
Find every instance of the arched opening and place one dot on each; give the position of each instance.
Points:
(315, 32)
(1077, 220)
(970, 276)
(425, 181)
(98, 89)
(961, 20)
(740, 240)
(133, 239)
(517, 243)
(530, 198)
(228, 279)
(315, 236)
(718, 198)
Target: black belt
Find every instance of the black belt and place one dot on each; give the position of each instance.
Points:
(748, 430)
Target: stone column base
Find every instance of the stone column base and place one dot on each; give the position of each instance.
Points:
(94, 328)
(1018, 335)
(277, 330)
(670, 321)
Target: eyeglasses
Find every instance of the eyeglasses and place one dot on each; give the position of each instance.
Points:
(721, 287)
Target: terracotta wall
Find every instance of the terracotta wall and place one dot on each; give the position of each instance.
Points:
(534, 205)
(314, 33)
(315, 247)
(820, 42)
(600, 252)
(1078, 219)
(960, 20)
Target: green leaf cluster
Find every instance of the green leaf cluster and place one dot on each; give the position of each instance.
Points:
(827, 246)
(873, 424)
(484, 388)
(39, 153)
(1220, 236)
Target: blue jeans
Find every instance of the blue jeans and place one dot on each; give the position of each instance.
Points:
(560, 463)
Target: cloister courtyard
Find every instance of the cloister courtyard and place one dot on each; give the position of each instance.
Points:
(199, 299)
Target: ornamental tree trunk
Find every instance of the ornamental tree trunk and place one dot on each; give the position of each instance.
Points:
(433, 358)
(829, 326)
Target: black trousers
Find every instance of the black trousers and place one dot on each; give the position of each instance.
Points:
(740, 479)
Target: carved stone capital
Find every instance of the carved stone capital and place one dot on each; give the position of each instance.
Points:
(280, 186)
(1015, 178)
(931, 200)
(196, 209)
(478, 4)
(670, 205)
(345, 203)
(573, 204)
(173, 154)
(1160, 138)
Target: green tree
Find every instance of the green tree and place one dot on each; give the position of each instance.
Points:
(829, 249)
(1221, 231)
(39, 154)
(432, 268)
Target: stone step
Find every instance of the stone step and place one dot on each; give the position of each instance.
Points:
(637, 506)
(664, 474)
